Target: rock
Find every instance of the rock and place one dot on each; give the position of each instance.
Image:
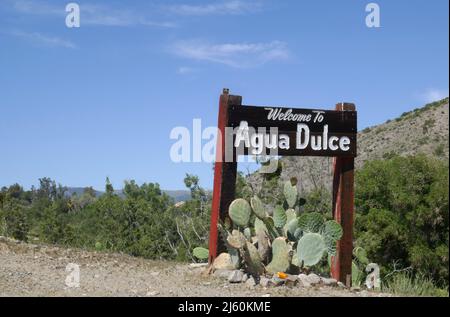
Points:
(355, 289)
(266, 295)
(236, 276)
(223, 262)
(313, 279)
(329, 281)
(303, 280)
(223, 273)
(244, 278)
(154, 274)
(265, 282)
(291, 280)
(192, 265)
(250, 283)
(154, 293)
(276, 281)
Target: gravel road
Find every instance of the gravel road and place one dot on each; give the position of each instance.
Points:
(40, 270)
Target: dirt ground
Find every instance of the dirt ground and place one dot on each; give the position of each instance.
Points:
(38, 270)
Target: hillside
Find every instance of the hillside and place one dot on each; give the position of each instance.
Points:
(423, 130)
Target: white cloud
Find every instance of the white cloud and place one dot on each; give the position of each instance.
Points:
(183, 70)
(223, 7)
(36, 7)
(45, 40)
(239, 55)
(434, 94)
(105, 16)
(91, 14)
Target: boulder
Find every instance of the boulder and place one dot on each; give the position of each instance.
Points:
(291, 280)
(329, 282)
(303, 280)
(223, 273)
(236, 276)
(314, 279)
(223, 262)
(276, 281)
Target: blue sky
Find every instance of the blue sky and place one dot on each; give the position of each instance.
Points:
(81, 104)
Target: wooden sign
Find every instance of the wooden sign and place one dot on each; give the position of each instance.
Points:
(292, 132)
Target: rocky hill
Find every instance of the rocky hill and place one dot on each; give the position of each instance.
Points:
(423, 130)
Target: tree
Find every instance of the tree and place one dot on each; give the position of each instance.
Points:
(109, 189)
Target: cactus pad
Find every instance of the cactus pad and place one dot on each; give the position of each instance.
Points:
(258, 207)
(311, 222)
(290, 192)
(236, 239)
(253, 260)
(279, 217)
(280, 256)
(201, 253)
(239, 212)
(332, 230)
(310, 249)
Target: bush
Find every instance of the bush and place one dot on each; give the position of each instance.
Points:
(402, 214)
(144, 223)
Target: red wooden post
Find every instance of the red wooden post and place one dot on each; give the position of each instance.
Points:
(343, 211)
(224, 177)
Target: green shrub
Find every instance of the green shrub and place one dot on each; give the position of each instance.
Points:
(402, 214)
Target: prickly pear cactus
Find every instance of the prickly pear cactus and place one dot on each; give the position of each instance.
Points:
(290, 192)
(263, 246)
(239, 212)
(201, 253)
(248, 233)
(258, 207)
(310, 249)
(271, 229)
(280, 256)
(290, 215)
(311, 222)
(253, 260)
(279, 217)
(235, 257)
(332, 232)
(259, 226)
(293, 232)
(236, 239)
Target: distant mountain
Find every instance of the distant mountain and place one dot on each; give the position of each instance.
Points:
(423, 130)
(177, 195)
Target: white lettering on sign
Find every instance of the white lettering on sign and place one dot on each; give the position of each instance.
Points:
(320, 142)
(278, 114)
(257, 142)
